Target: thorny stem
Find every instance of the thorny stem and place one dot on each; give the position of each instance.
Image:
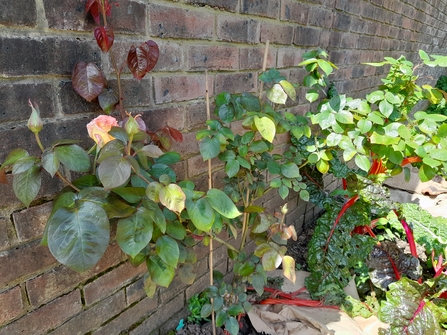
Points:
(65, 180)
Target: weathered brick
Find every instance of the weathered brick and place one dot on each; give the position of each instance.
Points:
(19, 263)
(47, 317)
(49, 55)
(306, 36)
(31, 222)
(72, 102)
(111, 281)
(349, 41)
(342, 21)
(92, 318)
(276, 33)
(179, 22)
(228, 5)
(61, 279)
(67, 15)
(171, 57)
(135, 292)
(289, 57)
(197, 166)
(179, 88)
(4, 239)
(136, 93)
(237, 29)
(14, 100)
(18, 13)
(131, 316)
(189, 145)
(158, 118)
(195, 116)
(294, 11)
(11, 304)
(128, 17)
(260, 8)
(176, 288)
(320, 17)
(252, 58)
(235, 82)
(213, 58)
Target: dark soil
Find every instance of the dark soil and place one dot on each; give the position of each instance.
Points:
(297, 249)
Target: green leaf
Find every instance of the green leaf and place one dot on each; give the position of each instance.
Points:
(151, 150)
(161, 273)
(130, 194)
(386, 108)
(375, 96)
(13, 156)
(135, 232)
(426, 173)
(73, 157)
(424, 56)
(312, 95)
(225, 113)
(259, 146)
(304, 195)
(50, 162)
(186, 273)
(201, 214)
(79, 236)
(277, 95)
(266, 127)
(114, 172)
(376, 118)
(173, 197)
(209, 148)
(232, 325)
(26, 185)
(364, 125)
(325, 66)
(168, 158)
(323, 166)
(344, 117)
(362, 162)
(439, 154)
(222, 203)
(283, 191)
(290, 170)
(289, 89)
(333, 139)
(232, 168)
(168, 250)
(392, 98)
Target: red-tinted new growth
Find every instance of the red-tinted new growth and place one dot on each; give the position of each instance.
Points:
(104, 37)
(142, 59)
(94, 8)
(88, 80)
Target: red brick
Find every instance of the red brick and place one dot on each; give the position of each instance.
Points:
(171, 57)
(236, 82)
(238, 29)
(252, 58)
(320, 17)
(213, 58)
(197, 166)
(72, 102)
(177, 287)
(20, 263)
(111, 281)
(189, 145)
(18, 13)
(136, 93)
(31, 222)
(11, 304)
(180, 23)
(228, 5)
(67, 15)
(195, 116)
(61, 279)
(131, 316)
(349, 41)
(179, 88)
(159, 317)
(260, 8)
(135, 291)
(4, 239)
(158, 118)
(92, 318)
(276, 33)
(128, 17)
(47, 317)
(293, 11)
(306, 36)
(288, 57)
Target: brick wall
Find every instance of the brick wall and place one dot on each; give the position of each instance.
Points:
(41, 40)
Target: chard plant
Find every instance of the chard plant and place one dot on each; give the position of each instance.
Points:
(381, 135)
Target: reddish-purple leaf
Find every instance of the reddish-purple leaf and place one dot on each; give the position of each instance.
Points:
(92, 7)
(104, 37)
(175, 134)
(87, 80)
(164, 138)
(142, 59)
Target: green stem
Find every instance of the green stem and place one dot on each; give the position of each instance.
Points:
(65, 180)
(228, 245)
(39, 143)
(245, 221)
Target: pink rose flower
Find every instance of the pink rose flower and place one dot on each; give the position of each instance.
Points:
(98, 129)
